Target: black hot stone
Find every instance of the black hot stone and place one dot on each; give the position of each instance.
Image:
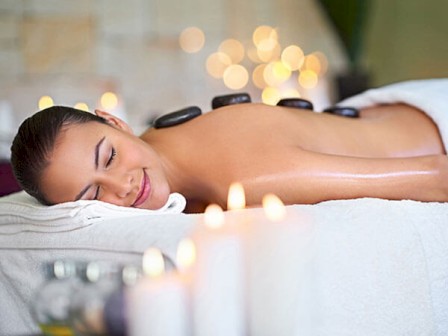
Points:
(296, 103)
(177, 117)
(349, 112)
(231, 99)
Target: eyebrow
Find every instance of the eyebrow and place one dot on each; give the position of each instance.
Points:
(97, 155)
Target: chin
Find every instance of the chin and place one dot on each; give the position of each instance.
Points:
(155, 203)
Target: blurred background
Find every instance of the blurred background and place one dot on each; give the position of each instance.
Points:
(140, 59)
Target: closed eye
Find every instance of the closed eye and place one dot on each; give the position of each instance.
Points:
(96, 193)
(111, 157)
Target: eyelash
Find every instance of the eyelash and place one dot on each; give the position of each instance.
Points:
(112, 156)
(113, 153)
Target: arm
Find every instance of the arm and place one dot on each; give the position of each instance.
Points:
(302, 176)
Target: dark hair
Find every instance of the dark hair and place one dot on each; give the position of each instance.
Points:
(34, 143)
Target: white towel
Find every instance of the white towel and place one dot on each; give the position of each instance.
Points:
(428, 95)
(21, 208)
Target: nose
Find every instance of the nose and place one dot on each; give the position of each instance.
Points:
(117, 184)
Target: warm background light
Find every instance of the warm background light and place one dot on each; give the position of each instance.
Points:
(236, 198)
(269, 50)
(270, 95)
(236, 77)
(278, 73)
(323, 62)
(312, 63)
(258, 76)
(293, 57)
(274, 208)
(214, 216)
(308, 79)
(262, 33)
(82, 106)
(217, 63)
(45, 102)
(192, 39)
(281, 71)
(109, 100)
(153, 264)
(232, 48)
(290, 93)
(252, 54)
(268, 75)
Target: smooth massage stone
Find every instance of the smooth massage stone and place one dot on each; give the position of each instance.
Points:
(349, 112)
(296, 103)
(177, 117)
(231, 99)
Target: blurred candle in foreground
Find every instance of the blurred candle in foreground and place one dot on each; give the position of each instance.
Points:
(218, 282)
(236, 199)
(157, 304)
(278, 246)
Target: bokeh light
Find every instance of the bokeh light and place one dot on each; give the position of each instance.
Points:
(252, 54)
(236, 77)
(290, 93)
(293, 57)
(270, 95)
(323, 62)
(312, 63)
(217, 63)
(275, 73)
(109, 100)
(233, 48)
(262, 33)
(191, 39)
(258, 76)
(82, 106)
(45, 102)
(281, 71)
(269, 50)
(308, 79)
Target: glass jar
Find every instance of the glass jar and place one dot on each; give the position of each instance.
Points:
(87, 315)
(51, 306)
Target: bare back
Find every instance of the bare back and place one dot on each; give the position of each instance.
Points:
(257, 143)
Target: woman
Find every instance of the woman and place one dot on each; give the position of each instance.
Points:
(391, 151)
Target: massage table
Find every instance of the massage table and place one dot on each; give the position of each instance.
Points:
(378, 267)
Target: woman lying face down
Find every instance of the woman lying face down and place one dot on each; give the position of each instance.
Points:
(392, 151)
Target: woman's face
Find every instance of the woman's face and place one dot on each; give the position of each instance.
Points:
(104, 162)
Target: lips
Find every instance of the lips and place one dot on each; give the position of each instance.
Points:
(145, 189)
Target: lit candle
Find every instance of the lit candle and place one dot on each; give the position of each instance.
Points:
(278, 248)
(236, 198)
(218, 282)
(157, 304)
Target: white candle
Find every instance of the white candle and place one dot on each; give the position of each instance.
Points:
(279, 251)
(218, 282)
(157, 305)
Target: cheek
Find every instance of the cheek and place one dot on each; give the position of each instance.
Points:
(141, 156)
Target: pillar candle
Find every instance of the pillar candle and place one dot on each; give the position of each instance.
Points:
(279, 248)
(218, 294)
(157, 304)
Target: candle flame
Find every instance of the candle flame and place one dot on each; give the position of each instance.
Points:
(214, 216)
(153, 264)
(186, 253)
(236, 198)
(274, 208)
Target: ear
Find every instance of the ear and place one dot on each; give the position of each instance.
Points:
(114, 121)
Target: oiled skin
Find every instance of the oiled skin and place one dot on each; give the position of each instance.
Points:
(391, 152)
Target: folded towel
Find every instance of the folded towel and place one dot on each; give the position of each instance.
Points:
(428, 95)
(21, 208)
